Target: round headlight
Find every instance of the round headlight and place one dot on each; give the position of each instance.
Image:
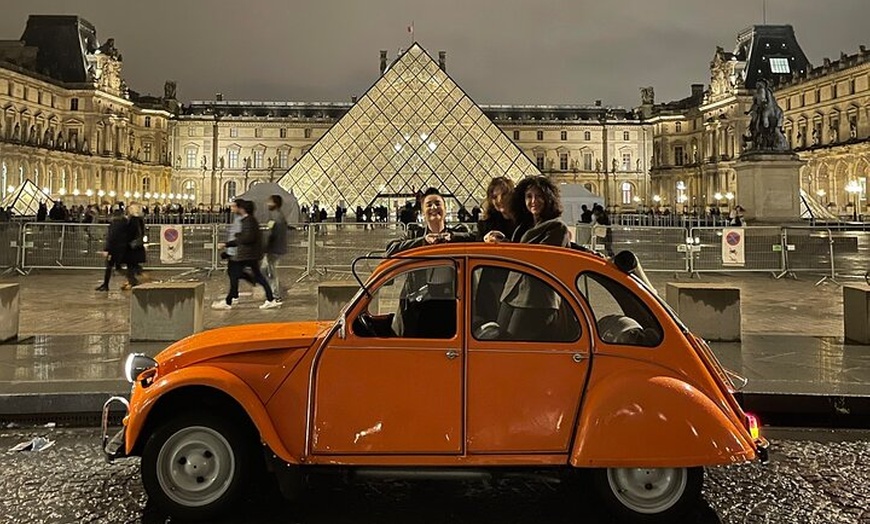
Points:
(136, 364)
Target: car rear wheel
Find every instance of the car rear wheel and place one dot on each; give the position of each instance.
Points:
(650, 494)
(196, 466)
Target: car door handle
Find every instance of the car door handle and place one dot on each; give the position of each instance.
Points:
(452, 354)
(578, 357)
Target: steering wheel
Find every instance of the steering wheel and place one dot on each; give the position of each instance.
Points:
(365, 322)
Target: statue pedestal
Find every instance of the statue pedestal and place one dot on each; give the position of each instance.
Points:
(768, 187)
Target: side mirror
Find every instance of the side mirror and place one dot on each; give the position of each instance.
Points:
(626, 261)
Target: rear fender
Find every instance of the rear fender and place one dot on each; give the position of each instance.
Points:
(145, 399)
(638, 419)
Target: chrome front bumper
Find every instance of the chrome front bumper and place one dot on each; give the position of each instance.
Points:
(114, 447)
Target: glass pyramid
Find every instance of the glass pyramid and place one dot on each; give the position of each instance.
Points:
(414, 128)
(24, 201)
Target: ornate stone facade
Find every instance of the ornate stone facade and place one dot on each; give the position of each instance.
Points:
(826, 120)
(75, 129)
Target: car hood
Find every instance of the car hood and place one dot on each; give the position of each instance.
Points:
(242, 339)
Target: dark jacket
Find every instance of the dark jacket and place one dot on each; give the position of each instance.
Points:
(249, 241)
(116, 239)
(530, 293)
(495, 222)
(277, 242)
(135, 247)
(416, 237)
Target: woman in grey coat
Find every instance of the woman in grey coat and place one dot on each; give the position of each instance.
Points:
(529, 306)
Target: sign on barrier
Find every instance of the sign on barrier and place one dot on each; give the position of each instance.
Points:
(759, 249)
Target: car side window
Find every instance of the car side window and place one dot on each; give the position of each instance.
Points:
(622, 318)
(520, 307)
(418, 303)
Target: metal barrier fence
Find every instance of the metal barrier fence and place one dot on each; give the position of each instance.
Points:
(320, 247)
(10, 236)
(808, 250)
(762, 248)
(659, 248)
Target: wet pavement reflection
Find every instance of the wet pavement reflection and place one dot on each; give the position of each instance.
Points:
(824, 481)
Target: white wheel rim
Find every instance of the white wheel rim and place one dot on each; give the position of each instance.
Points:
(648, 490)
(195, 466)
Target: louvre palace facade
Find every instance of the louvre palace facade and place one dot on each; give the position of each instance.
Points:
(73, 127)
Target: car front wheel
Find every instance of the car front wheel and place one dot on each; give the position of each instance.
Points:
(650, 494)
(197, 466)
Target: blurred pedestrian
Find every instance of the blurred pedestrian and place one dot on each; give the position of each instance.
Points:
(134, 255)
(276, 245)
(114, 248)
(249, 242)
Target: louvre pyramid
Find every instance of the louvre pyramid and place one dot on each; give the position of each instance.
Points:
(414, 128)
(24, 201)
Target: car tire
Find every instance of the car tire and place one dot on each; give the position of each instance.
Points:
(649, 494)
(197, 466)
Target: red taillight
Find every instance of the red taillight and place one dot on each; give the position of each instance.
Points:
(752, 425)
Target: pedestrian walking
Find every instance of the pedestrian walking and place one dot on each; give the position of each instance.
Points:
(249, 242)
(114, 248)
(134, 256)
(276, 245)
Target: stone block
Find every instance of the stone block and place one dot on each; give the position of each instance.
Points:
(10, 312)
(768, 187)
(166, 311)
(332, 296)
(856, 313)
(711, 311)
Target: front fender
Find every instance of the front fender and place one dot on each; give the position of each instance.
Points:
(641, 419)
(143, 401)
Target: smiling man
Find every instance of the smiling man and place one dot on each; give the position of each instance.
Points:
(436, 231)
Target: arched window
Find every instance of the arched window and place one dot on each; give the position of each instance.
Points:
(146, 184)
(189, 188)
(230, 191)
(627, 193)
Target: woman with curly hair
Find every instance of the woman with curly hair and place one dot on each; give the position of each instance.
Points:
(498, 223)
(529, 307)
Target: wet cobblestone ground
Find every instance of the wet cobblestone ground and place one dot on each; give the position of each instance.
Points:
(824, 481)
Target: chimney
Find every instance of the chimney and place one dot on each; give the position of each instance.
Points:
(353, 100)
(598, 103)
(219, 97)
(383, 61)
(442, 60)
(697, 90)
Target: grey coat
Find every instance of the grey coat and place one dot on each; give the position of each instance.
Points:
(526, 292)
(277, 243)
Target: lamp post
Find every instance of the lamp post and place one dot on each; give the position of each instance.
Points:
(853, 188)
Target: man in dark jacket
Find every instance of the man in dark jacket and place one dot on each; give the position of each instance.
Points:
(249, 244)
(276, 245)
(134, 255)
(115, 246)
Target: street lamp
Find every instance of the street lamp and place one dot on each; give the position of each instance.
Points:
(853, 188)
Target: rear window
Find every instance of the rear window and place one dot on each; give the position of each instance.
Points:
(620, 316)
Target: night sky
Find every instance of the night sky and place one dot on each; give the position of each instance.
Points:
(500, 51)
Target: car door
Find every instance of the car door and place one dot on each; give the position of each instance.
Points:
(523, 392)
(393, 384)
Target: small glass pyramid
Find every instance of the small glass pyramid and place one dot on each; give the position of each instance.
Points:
(414, 128)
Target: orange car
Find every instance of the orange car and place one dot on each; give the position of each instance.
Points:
(417, 377)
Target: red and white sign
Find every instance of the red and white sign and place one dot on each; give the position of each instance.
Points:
(733, 253)
(171, 245)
